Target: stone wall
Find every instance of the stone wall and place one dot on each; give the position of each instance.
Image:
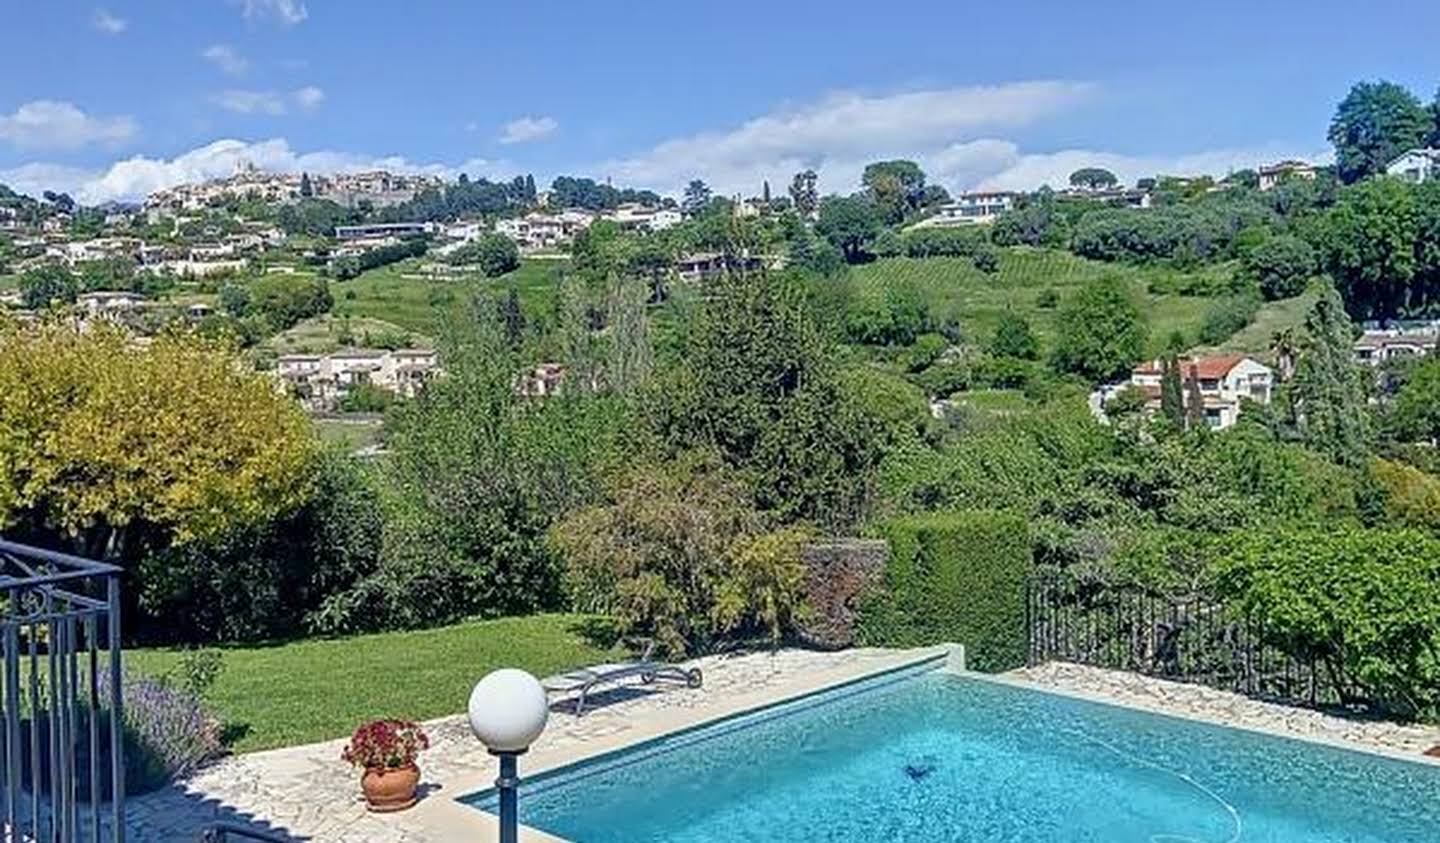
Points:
(839, 574)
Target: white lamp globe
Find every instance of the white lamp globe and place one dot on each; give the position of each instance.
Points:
(508, 709)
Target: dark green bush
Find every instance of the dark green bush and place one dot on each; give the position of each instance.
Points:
(954, 577)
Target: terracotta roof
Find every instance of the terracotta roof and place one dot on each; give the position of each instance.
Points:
(1206, 368)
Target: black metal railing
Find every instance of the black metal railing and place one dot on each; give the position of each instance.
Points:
(1186, 639)
(61, 717)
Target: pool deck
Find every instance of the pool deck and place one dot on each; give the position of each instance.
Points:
(308, 793)
(1222, 708)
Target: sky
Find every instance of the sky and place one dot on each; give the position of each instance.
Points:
(111, 101)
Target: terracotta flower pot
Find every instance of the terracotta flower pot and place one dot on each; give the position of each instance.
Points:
(390, 789)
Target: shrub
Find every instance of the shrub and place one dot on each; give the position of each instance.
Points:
(954, 577)
(1281, 265)
(385, 745)
(1365, 602)
(839, 576)
(762, 588)
(1048, 299)
(496, 254)
(169, 732)
(654, 555)
(1013, 338)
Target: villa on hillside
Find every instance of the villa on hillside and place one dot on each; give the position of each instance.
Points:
(1272, 175)
(970, 209)
(536, 231)
(1221, 380)
(321, 382)
(1375, 347)
(1416, 165)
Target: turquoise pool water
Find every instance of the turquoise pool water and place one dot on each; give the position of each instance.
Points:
(935, 756)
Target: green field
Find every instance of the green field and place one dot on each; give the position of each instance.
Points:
(314, 690)
(352, 434)
(324, 334)
(422, 305)
(954, 285)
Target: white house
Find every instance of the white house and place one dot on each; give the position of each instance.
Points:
(108, 303)
(644, 217)
(1416, 165)
(320, 382)
(1222, 382)
(970, 209)
(1376, 347)
(536, 231)
(1273, 174)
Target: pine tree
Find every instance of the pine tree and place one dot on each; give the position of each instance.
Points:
(512, 318)
(1195, 402)
(765, 193)
(307, 190)
(1329, 389)
(1172, 398)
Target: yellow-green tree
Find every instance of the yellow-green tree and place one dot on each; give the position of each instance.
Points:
(120, 445)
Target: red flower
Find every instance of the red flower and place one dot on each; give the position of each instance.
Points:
(386, 744)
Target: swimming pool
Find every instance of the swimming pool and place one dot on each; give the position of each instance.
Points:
(932, 755)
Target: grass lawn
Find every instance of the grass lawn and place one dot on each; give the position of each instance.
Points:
(352, 434)
(314, 690)
(1273, 317)
(322, 335)
(978, 299)
(422, 305)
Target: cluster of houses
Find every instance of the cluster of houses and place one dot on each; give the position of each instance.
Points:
(320, 382)
(1223, 382)
(379, 188)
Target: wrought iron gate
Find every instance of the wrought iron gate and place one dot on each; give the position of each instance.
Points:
(61, 717)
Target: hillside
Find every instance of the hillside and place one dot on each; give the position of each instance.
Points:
(399, 294)
(954, 288)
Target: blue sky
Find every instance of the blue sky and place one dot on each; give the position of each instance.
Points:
(113, 100)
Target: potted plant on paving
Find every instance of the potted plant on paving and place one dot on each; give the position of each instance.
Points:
(386, 751)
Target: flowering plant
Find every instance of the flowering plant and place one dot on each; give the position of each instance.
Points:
(386, 744)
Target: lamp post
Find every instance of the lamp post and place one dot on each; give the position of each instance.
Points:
(508, 709)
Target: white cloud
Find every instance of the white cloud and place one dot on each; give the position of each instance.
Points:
(227, 58)
(837, 134)
(287, 12)
(272, 103)
(309, 97)
(527, 128)
(134, 177)
(108, 23)
(51, 124)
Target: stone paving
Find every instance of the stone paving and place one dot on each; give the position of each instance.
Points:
(308, 793)
(1226, 708)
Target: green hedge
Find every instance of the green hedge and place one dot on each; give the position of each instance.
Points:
(954, 577)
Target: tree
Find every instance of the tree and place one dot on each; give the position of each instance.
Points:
(850, 223)
(117, 448)
(758, 383)
(45, 284)
(697, 197)
(1093, 178)
(512, 318)
(1281, 265)
(805, 193)
(1373, 124)
(1101, 332)
(1244, 177)
(765, 193)
(1194, 400)
(897, 187)
(1172, 396)
(1329, 389)
(495, 253)
(307, 190)
(1013, 338)
(1369, 244)
(1415, 411)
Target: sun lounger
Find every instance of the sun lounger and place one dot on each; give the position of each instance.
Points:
(582, 681)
